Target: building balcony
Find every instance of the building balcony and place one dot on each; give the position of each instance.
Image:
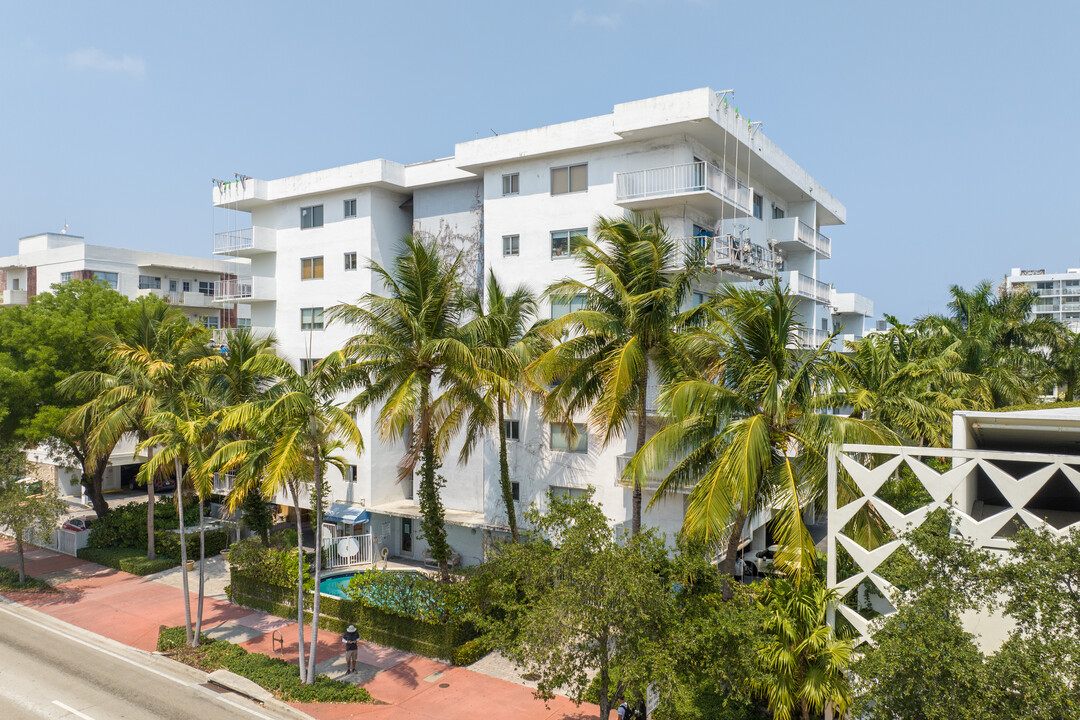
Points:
(793, 231)
(852, 304)
(249, 289)
(259, 331)
(807, 287)
(13, 297)
(699, 184)
(812, 337)
(245, 242)
(731, 254)
(185, 299)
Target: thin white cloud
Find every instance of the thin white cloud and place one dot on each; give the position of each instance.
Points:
(94, 59)
(604, 20)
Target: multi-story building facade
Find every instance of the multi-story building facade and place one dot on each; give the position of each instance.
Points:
(852, 315)
(512, 204)
(1057, 294)
(189, 283)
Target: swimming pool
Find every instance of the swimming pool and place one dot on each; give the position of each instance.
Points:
(336, 585)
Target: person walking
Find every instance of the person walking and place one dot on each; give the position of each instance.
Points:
(350, 638)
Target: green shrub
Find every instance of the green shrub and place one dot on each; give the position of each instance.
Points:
(9, 580)
(276, 566)
(413, 595)
(470, 652)
(125, 526)
(274, 674)
(168, 542)
(131, 560)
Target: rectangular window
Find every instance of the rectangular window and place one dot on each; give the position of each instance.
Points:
(777, 213)
(350, 473)
(569, 179)
(172, 286)
(511, 244)
(510, 184)
(311, 318)
(350, 261)
(243, 322)
(15, 284)
(311, 268)
(561, 441)
(567, 492)
(564, 242)
(149, 282)
(561, 307)
(515, 491)
(186, 286)
(350, 208)
(311, 217)
(210, 321)
(699, 299)
(109, 278)
(308, 364)
(758, 202)
(513, 429)
(206, 287)
(66, 277)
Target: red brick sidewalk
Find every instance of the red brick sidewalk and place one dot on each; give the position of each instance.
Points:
(130, 609)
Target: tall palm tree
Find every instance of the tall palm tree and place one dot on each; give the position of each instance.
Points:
(804, 659)
(751, 433)
(623, 333)
(412, 358)
(300, 427)
(507, 339)
(146, 364)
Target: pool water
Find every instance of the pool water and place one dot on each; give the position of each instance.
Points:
(336, 585)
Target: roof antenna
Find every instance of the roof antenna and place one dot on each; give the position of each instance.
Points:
(64, 231)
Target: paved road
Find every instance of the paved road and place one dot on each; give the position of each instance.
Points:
(49, 669)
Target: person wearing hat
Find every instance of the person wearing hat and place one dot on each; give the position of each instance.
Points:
(350, 638)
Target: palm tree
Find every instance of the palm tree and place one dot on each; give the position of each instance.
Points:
(413, 359)
(299, 427)
(750, 434)
(142, 365)
(804, 659)
(507, 341)
(624, 331)
(1065, 362)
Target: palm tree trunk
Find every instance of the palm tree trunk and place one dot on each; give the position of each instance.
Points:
(183, 548)
(150, 553)
(727, 569)
(202, 582)
(504, 477)
(318, 567)
(299, 584)
(635, 521)
(432, 523)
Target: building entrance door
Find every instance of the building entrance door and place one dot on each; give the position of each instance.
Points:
(406, 535)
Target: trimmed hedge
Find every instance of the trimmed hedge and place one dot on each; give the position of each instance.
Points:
(274, 674)
(130, 560)
(432, 639)
(470, 652)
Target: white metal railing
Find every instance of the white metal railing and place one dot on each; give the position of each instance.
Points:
(728, 252)
(808, 287)
(805, 234)
(824, 244)
(234, 288)
(232, 240)
(223, 483)
(680, 180)
(347, 550)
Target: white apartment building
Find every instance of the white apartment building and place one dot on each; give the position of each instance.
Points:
(1057, 294)
(189, 283)
(512, 204)
(852, 315)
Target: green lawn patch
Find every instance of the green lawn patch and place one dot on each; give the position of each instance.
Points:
(274, 674)
(9, 580)
(130, 560)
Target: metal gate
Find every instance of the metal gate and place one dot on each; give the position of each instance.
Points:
(347, 550)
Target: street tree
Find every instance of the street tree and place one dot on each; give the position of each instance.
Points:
(29, 513)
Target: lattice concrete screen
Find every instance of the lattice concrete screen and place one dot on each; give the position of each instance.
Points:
(988, 526)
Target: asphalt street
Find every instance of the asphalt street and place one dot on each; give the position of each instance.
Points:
(50, 669)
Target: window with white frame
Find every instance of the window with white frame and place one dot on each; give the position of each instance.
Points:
(212, 322)
(308, 364)
(570, 492)
(350, 473)
(173, 285)
(311, 318)
(758, 202)
(569, 179)
(109, 278)
(185, 286)
(561, 441)
(510, 184)
(206, 287)
(149, 282)
(311, 217)
(350, 261)
(562, 307)
(66, 277)
(311, 268)
(350, 208)
(564, 242)
(511, 245)
(513, 429)
(243, 322)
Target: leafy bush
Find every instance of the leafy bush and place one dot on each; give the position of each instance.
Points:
(274, 674)
(130, 560)
(275, 565)
(409, 594)
(471, 651)
(9, 580)
(125, 526)
(168, 542)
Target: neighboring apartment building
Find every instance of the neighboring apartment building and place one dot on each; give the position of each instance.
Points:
(852, 315)
(1057, 294)
(188, 283)
(513, 204)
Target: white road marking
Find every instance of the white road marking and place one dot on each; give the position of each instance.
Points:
(129, 661)
(71, 710)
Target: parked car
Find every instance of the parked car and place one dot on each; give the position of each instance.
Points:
(765, 559)
(166, 484)
(78, 524)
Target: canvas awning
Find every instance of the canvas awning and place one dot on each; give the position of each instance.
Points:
(346, 513)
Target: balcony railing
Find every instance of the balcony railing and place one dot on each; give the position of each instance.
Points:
(812, 239)
(732, 254)
(808, 287)
(233, 240)
(684, 179)
(812, 337)
(824, 244)
(240, 288)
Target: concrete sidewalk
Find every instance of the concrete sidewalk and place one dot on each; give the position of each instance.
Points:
(130, 609)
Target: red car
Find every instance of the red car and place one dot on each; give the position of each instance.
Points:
(77, 524)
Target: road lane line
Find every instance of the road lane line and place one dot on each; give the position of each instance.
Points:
(129, 661)
(71, 710)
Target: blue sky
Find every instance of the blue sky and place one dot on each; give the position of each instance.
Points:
(948, 129)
